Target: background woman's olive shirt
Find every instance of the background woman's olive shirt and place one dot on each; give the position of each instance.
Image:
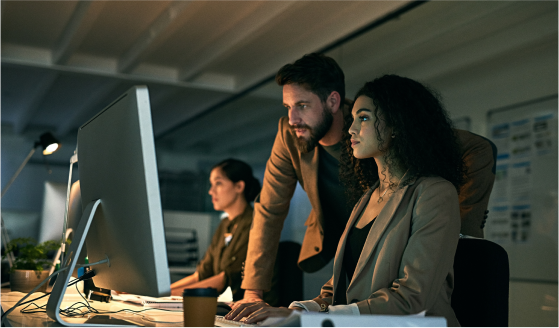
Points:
(228, 258)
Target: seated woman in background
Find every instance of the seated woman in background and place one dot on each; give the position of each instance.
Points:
(397, 250)
(233, 187)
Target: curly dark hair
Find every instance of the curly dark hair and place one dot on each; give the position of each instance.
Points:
(424, 142)
(316, 72)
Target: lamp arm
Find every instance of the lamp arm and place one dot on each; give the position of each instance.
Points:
(17, 172)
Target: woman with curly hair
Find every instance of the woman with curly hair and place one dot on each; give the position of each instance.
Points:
(402, 166)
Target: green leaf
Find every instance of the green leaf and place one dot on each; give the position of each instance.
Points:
(31, 256)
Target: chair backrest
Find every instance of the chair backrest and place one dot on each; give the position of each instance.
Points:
(481, 284)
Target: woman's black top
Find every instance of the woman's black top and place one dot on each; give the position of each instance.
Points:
(355, 242)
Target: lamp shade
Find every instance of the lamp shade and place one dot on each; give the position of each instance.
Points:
(49, 143)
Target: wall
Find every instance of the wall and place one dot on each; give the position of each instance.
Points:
(502, 81)
(508, 82)
(22, 204)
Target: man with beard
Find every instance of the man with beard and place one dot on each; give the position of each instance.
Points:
(307, 146)
(307, 150)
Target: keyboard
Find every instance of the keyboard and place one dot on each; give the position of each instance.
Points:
(220, 321)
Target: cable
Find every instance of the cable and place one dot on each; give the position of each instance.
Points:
(88, 275)
(106, 260)
(31, 292)
(76, 308)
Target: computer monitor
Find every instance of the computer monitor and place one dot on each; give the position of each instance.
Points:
(122, 219)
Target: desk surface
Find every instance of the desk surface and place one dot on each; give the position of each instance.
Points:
(157, 318)
(149, 318)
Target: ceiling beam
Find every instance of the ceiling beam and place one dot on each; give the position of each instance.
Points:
(33, 103)
(79, 25)
(79, 115)
(249, 28)
(151, 37)
(9, 59)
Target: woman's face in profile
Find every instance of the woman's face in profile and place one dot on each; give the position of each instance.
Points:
(363, 133)
(224, 192)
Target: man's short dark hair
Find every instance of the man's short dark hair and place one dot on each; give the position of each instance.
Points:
(318, 73)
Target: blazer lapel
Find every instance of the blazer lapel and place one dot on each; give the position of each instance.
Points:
(377, 230)
(339, 258)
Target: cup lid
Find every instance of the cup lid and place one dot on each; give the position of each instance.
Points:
(200, 292)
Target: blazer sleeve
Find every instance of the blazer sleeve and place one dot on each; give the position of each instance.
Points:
(270, 209)
(428, 256)
(326, 293)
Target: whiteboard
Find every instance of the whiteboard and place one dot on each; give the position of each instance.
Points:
(523, 205)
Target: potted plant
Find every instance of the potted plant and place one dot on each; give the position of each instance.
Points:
(31, 265)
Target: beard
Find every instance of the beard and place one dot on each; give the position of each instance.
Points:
(316, 133)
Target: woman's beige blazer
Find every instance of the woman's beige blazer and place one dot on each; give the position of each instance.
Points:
(406, 265)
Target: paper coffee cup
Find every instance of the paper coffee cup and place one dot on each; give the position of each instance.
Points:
(199, 306)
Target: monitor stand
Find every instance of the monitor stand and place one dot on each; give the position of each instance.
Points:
(55, 299)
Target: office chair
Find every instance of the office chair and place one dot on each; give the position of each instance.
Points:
(481, 284)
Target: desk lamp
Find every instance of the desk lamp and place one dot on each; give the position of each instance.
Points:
(50, 144)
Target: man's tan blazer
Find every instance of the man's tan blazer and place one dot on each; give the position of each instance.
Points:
(406, 265)
(287, 165)
(479, 159)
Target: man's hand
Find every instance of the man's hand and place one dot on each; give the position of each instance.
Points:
(252, 296)
(242, 310)
(266, 312)
(252, 301)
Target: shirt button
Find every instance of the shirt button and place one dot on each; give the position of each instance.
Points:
(316, 249)
(233, 258)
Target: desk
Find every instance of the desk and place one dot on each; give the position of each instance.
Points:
(157, 318)
(17, 319)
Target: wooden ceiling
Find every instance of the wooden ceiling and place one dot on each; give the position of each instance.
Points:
(209, 64)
